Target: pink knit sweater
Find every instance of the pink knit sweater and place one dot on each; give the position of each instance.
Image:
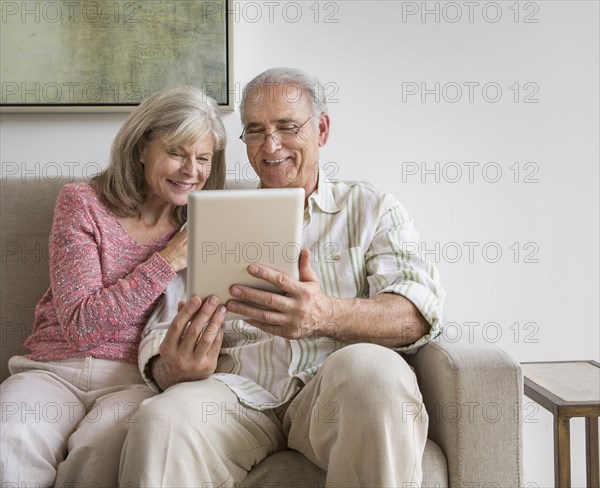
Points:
(103, 284)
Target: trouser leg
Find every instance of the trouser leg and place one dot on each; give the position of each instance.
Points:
(95, 446)
(61, 423)
(39, 413)
(196, 434)
(362, 419)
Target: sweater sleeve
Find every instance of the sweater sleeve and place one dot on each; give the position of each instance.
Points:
(88, 311)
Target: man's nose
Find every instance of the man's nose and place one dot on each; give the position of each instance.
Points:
(271, 143)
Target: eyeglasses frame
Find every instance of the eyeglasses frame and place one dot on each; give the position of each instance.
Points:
(271, 134)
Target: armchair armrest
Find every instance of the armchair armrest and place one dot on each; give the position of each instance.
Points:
(474, 397)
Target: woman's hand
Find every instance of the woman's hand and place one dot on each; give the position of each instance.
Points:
(175, 252)
(191, 347)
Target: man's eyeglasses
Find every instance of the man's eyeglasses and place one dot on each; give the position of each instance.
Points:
(284, 136)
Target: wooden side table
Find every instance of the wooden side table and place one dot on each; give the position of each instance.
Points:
(568, 389)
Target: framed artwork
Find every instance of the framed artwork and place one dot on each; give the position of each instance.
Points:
(108, 55)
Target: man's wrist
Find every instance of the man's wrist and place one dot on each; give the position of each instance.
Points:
(328, 322)
(157, 372)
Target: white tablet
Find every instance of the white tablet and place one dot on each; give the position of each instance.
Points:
(230, 229)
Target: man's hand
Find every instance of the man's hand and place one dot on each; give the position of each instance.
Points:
(191, 346)
(302, 311)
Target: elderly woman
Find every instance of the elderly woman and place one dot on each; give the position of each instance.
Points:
(115, 244)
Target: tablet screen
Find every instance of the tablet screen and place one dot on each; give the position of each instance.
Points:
(231, 229)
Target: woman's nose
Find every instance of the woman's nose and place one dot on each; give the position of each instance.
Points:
(188, 166)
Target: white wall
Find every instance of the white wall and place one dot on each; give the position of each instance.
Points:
(540, 299)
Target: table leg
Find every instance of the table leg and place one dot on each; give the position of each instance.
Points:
(591, 451)
(562, 452)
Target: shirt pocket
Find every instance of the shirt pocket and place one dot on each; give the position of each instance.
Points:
(343, 273)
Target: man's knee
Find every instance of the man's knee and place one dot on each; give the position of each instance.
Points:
(368, 360)
(158, 408)
(371, 369)
(186, 408)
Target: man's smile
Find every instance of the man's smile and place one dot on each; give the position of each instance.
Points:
(274, 162)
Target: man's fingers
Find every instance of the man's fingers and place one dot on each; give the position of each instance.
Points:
(212, 337)
(195, 354)
(306, 271)
(256, 313)
(180, 323)
(265, 298)
(281, 280)
(198, 324)
(215, 347)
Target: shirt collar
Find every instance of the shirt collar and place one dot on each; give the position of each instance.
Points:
(323, 196)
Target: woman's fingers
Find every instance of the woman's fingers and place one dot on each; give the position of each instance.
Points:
(175, 252)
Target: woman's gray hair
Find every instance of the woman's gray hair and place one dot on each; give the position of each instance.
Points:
(283, 76)
(182, 115)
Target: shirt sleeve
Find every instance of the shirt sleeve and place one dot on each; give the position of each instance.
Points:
(395, 264)
(158, 324)
(88, 311)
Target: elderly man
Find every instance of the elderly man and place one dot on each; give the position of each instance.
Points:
(319, 371)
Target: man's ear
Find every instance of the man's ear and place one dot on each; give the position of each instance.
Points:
(323, 129)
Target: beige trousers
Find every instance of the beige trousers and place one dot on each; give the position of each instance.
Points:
(64, 422)
(361, 418)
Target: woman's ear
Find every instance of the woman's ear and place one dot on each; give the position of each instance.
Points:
(141, 152)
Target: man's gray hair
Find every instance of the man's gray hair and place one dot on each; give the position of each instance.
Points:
(309, 85)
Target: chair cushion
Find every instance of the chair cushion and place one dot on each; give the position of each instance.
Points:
(290, 468)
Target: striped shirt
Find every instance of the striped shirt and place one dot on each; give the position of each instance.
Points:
(362, 243)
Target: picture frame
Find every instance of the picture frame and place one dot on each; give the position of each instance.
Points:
(108, 55)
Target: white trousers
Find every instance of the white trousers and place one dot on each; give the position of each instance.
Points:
(361, 418)
(64, 422)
